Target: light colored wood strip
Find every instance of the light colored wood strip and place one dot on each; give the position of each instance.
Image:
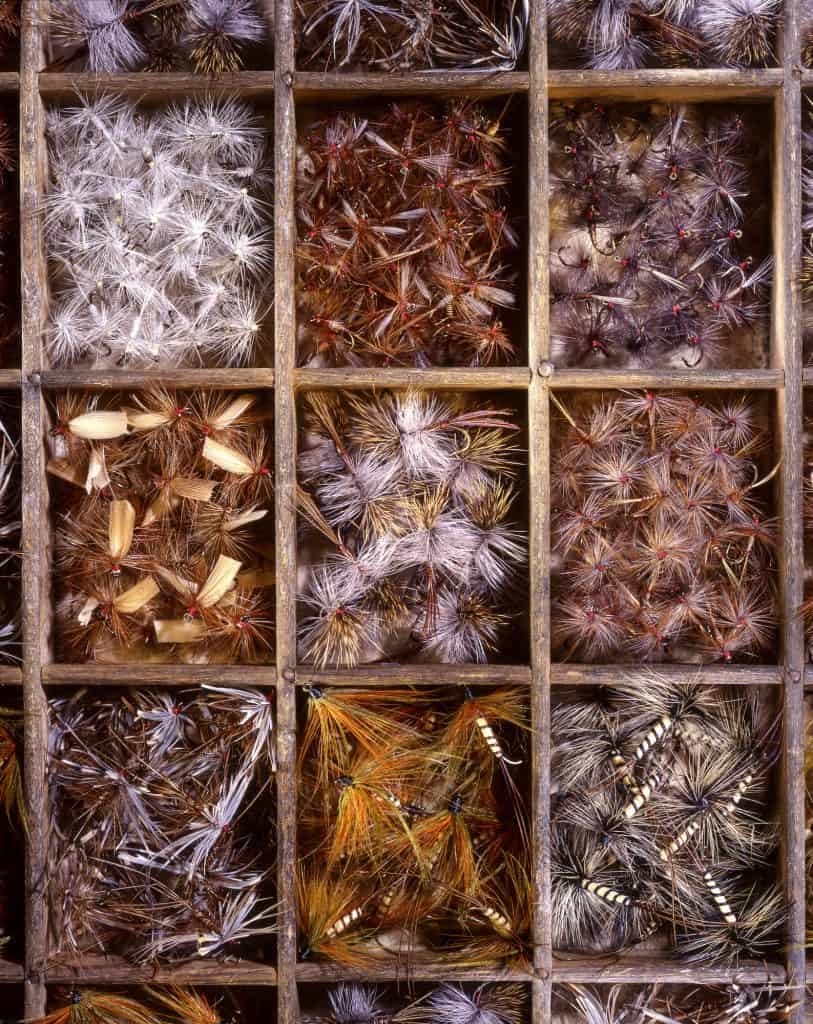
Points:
(464, 379)
(752, 380)
(226, 380)
(564, 674)
(539, 504)
(11, 675)
(643, 968)
(787, 352)
(285, 497)
(156, 87)
(96, 970)
(417, 675)
(34, 585)
(137, 674)
(338, 85)
(419, 970)
(675, 84)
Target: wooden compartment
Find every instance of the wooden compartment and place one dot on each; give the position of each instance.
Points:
(289, 91)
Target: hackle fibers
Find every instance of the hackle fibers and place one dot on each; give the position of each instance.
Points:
(209, 37)
(663, 539)
(411, 35)
(413, 827)
(163, 540)
(410, 549)
(351, 1003)
(157, 227)
(671, 1004)
(659, 238)
(617, 34)
(661, 824)
(406, 243)
(163, 807)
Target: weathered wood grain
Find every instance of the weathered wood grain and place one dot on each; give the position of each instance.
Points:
(156, 86)
(539, 511)
(98, 380)
(137, 674)
(780, 86)
(787, 353)
(285, 484)
(34, 508)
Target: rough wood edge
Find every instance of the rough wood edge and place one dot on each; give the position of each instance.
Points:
(33, 471)
(416, 971)
(156, 86)
(514, 378)
(790, 414)
(539, 501)
(409, 675)
(329, 86)
(104, 970)
(285, 498)
(751, 380)
(668, 84)
(566, 674)
(139, 674)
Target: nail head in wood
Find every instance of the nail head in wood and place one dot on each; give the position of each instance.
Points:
(289, 675)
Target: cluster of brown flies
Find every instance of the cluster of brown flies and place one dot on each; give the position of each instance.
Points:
(657, 238)
(413, 829)
(663, 541)
(163, 548)
(406, 239)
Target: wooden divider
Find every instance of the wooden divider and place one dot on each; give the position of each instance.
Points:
(782, 88)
